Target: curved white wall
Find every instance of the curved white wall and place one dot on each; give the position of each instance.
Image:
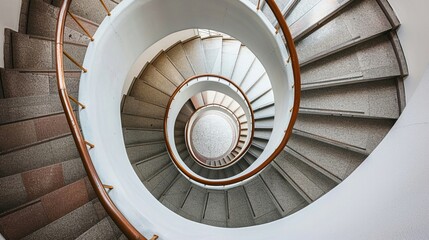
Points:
(134, 26)
(414, 35)
(385, 198)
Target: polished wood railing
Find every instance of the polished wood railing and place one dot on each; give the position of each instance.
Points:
(82, 145)
(293, 60)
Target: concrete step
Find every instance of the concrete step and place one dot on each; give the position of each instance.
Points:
(29, 132)
(344, 30)
(215, 211)
(154, 78)
(282, 4)
(373, 100)
(102, 230)
(146, 93)
(26, 108)
(28, 186)
(31, 52)
(306, 178)
(166, 68)
(24, 84)
(261, 86)
(89, 9)
(324, 183)
(38, 156)
(138, 135)
(239, 210)
(286, 199)
(177, 55)
(356, 134)
(195, 53)
(77, 222)
(142, 151)
(134, 121)
(230, 51)
(244, 61)
(263, 208)
(194, 203)
(136, 107)
(174, 197)
(162, 180)
(334, 162)
(372, 60)
(150, 166)
(213, 53)
(54, 209)
(255, 73)
(42, 20)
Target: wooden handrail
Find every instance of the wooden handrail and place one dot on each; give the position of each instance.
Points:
(294, 113)
(80, 142)
(236, 144)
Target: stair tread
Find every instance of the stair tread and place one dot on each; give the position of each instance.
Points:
(213, 53)
(372, 60)
(344, 29)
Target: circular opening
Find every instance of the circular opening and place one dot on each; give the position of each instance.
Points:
(213, 135)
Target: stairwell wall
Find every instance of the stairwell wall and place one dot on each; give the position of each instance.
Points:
(9, 18)
(414, 36)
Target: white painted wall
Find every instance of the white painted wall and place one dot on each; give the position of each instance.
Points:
(133, 27)
(9, 18)
(414, 35)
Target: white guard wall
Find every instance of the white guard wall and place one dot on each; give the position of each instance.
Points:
(9, 18)
(134, 26)
(387, 197)
(413, 33)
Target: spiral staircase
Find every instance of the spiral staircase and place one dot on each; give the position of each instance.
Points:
(352, 68)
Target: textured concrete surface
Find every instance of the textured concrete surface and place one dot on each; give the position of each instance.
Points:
(195, 52)
(178, 57)
(164, 66)
(230, 51)
(102, 230)
(213, 52)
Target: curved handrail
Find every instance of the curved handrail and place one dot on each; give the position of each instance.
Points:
(288, 132)
(170, 101)
(235, 146)
(129, 230)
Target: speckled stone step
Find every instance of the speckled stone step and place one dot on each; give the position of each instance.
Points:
(344, 30)
(215, 211)
(27, 186)
(177, 55)
(244, 62)
(159, 183)
(372, 60)
(102, 230)
(195, 52)
(287, 199)
(282, 4)
(163, 64)
(51, 208)
(142, 151)
(38, 156)
(20, 134)
(334, 162)
(31, 52)
(230, 51)
(42, 20)
(89, 9)
(263, 208)
(24, 84)
(213, 53)
(373, 99)
(136, 135)
(239, 209)
(356, 134)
